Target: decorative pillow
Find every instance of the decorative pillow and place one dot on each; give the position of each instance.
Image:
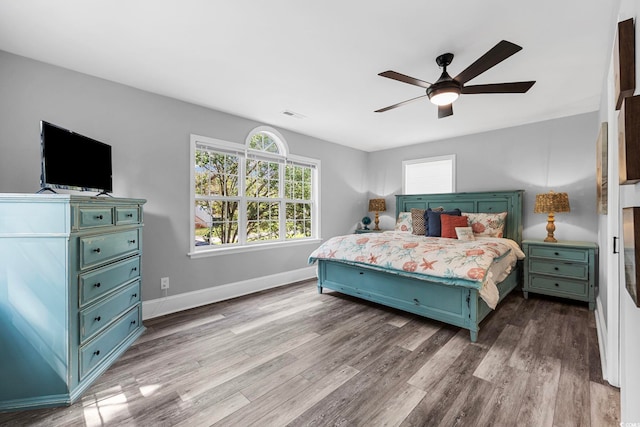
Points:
(487, 224)
(404, 222)
(465, 233)
(449, 223)
(417, 220)
(433, 226)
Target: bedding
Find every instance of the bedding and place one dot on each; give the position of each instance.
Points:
(446, 260)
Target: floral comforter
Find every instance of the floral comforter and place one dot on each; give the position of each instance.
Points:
(452, 261)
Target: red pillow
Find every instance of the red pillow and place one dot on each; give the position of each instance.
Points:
(449, 224)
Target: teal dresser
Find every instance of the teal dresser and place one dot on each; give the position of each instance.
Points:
(562, 269)
(70, 302)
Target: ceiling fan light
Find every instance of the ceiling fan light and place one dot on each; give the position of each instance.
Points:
(444, 97)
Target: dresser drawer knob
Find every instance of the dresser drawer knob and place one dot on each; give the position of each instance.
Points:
(99, 216)
(556, 253)
(556, 268)
(129, 215)
(133, 322)
(134, 269)
(557, 284)
(96, 250)
(416, 302)
(134, 296)
(96, 353)
(97, 285)
(97, 319)
(132, 241)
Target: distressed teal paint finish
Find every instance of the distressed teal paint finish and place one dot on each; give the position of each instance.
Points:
(69, 293)
(562, 269)
(456, 305)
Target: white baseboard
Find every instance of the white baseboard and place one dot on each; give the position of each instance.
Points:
(172, 304)
(601, 328)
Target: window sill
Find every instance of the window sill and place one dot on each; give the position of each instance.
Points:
(249, 248)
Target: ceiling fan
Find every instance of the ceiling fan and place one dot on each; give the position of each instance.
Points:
(447, 89)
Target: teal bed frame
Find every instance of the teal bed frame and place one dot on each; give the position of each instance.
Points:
(455, 305)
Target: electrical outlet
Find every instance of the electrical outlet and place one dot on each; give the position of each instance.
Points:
(164, 283)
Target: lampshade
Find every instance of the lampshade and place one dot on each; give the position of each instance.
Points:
(377, 205)
(552, 203)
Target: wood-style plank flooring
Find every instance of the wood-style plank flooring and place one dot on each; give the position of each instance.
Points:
(290, 356)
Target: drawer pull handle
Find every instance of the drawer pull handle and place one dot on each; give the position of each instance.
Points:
(556, 253)
(97, 319)
(96, 353)
(557, 284)
(99, 217)
(129, 215)
(361, 272)
(134, 269)
(415, 300)
(133, 322)
(97, 285)
(556, 268)
(96, 250)
(132, 241)
(134, 296)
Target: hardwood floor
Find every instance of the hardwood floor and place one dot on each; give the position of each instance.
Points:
(289, 356)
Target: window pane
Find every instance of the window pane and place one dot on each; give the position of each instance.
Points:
(262, 178)
(216, 222)
(216, 174)
(263, 142)
(430, 176)
(263, 221)
(298, 220)
(298, 182)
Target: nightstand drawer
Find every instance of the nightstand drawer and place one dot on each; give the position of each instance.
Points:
(559, 253)
(573, 270)
(559, 287)
(105, 247)
(99, 316)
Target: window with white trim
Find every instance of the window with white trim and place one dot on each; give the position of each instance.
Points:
(251, 194)
(430, 175)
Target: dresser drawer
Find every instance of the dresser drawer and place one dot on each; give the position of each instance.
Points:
(96, 350)
(127, 215)
(98, 282)
(559, 287)
(102, 314)
(573, 270)
(104, 247)
(564, 254)
(95, 217)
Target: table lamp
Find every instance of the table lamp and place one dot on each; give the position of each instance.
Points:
(551, 203)
(377, 205)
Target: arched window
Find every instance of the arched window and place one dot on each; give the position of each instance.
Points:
(251, 194)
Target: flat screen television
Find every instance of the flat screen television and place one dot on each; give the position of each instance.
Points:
(73, 161)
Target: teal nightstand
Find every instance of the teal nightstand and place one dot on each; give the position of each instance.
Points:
(363, 231)
(562, 269)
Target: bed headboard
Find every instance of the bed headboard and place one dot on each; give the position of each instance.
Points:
(488, 201)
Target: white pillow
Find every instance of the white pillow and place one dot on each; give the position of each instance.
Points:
(404, 222)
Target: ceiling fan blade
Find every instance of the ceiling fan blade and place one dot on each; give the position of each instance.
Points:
(493, 57)
(445, 111)
(404, 78)
(515, 87)
(391, 107)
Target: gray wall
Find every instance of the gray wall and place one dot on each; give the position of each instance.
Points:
(556, 155)
(150, 139)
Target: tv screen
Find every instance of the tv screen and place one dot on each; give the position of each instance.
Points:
(74, 161)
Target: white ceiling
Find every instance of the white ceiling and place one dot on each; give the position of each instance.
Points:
(256, 58)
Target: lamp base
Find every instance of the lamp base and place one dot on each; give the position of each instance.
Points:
(551, 227)
(377, 221)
